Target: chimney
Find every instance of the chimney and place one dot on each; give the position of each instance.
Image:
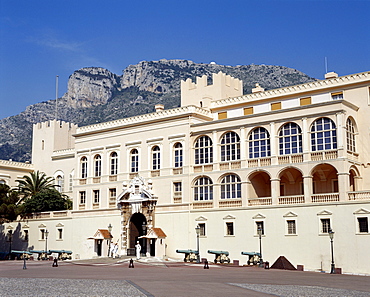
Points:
(331, 75)
(159, 107)
(257, 89)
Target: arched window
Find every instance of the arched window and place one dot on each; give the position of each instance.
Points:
(178, 154)
(203, 150)
(231, 187)
(230, 147)
(134, 159)
(60, 183)
(323, 135)
(290, 139)
(113, 163)
(83, 167)
(97, 165)
(259, 143)
(156, 158)
(351, 136)
(203, 189)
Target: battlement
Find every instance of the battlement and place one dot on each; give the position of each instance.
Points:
(54, 124)
(201, 94)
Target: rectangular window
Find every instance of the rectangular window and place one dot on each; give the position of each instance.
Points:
(325, 225)
(112, 194)
(96, 194)
(248, 110)
(202, 229)
(337, 96)
(291, 227)
(82, 197)
(305, 101)
(260, 228)
(363, 226)
(177, 188)
(222, 115)
(60, 233)
(229, 228)
(276, 106)
(25, 235)
(42, 234)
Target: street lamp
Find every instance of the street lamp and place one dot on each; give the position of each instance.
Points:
(46, 240)
(197, 230)
(110, 227)
(259, 232)
(331, 235)
(10, 236)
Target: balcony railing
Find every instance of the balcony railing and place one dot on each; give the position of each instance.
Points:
(83, 181)
(291, 199)
(155, 173)
(113, 178)
(230, 165)
(288, 159)
(202, 168)
(260, 201)
(359, 195)
(230, 203)
(324, 155)
(96, 180)
(177, 170)
(202, 204)
(326, 197)
(259, 162)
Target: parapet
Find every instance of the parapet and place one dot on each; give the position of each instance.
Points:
(201, 94)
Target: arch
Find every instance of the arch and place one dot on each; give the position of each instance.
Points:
(259, 143)
(324, 179)
(230, 146)
(97, 165)
(83, 164)
(137, 220)
(203, 150)
(178, 154)
(323, 135)
(290, 139)
(231, 186)
(113, 161)
(353, 174)
(134, 160)
(291, 182)
(203, 188)
(260, 184)
(351, 131)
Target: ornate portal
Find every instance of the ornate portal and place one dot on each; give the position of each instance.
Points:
(137, 203)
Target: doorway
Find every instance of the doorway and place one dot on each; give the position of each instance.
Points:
(137, 230)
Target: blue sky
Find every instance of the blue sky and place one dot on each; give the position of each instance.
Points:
(41, 39)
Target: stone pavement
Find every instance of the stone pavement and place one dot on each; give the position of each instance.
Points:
(151, 277)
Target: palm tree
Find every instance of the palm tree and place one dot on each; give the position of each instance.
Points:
(36, 182)
(8, 204)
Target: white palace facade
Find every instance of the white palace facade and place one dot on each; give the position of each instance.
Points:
(293, 161)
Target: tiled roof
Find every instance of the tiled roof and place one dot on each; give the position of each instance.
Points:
(159, 232)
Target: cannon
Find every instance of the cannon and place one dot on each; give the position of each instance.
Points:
(42, 255)
(62, 254)
(190, 255)
(220, 256)
(20, 255)
(253, 257)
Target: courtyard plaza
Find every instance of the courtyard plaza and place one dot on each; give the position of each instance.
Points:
(154, 277)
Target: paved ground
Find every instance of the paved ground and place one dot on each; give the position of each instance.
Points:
(105, 277)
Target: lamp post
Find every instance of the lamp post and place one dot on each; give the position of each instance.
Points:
(110, 227)
(197, 230)
(259, 232)
(10, 236)
(46, 240)
(143, 226)
(331, 235)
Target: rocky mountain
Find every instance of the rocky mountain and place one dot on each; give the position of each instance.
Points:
(96, 95)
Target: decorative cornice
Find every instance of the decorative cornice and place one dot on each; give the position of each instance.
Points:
(15, 165)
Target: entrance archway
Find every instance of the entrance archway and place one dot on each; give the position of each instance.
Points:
(137, 229)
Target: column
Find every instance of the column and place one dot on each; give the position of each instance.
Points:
(275, 190)
(305, 140)
(307, 188)
(243, 150)
(273, 147)
(341, 132)
(343, 185)
(215, 147)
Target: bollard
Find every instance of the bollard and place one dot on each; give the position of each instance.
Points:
(24, 262)
(206, 264)
(55, 263)
(131, 264)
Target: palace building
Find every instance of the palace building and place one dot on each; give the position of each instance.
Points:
(292, 162)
